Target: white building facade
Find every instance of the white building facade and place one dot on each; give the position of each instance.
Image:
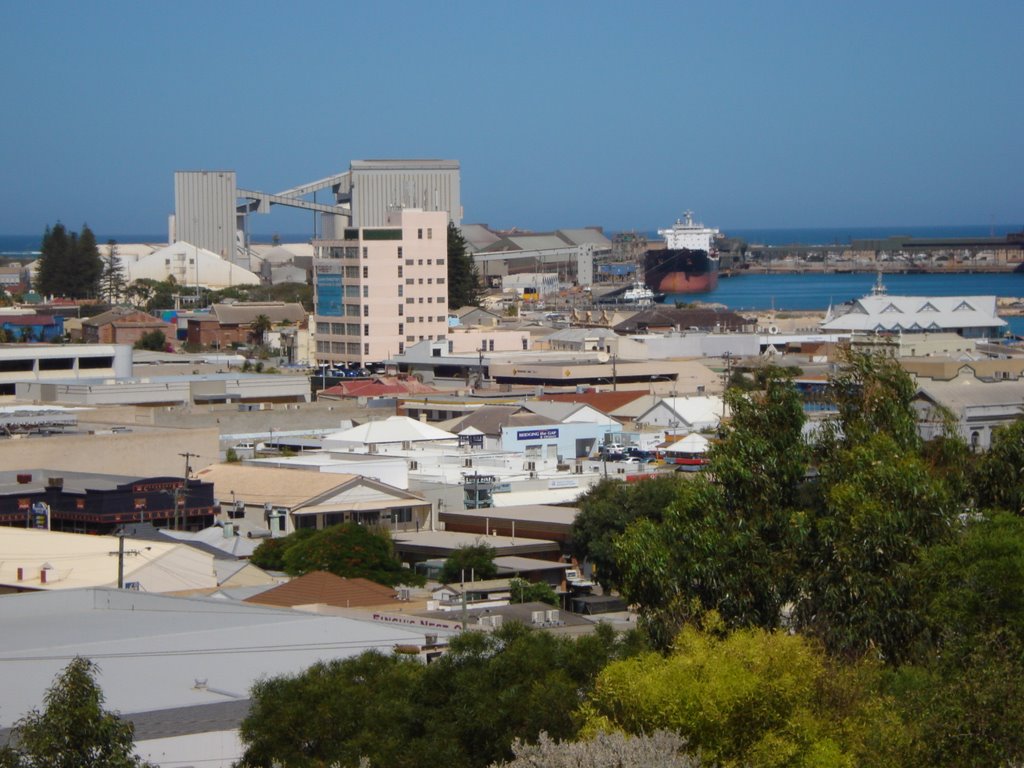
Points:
(380, 289)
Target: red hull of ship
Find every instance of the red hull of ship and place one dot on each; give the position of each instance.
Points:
(681, 282)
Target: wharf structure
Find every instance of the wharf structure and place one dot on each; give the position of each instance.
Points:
(892, 254)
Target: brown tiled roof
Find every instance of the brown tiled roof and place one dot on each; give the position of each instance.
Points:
(606, 402)
(684, 318)
(320, 587)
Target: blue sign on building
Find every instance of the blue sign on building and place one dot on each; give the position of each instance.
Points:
(328, 295)
(536, 434)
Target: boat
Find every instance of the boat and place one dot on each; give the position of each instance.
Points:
(639, 294)
(689, 261)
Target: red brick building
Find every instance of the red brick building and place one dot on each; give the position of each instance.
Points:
(230, 325)
(123, 325)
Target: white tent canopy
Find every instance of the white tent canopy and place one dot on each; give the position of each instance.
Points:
(693, 443)
(396, 429)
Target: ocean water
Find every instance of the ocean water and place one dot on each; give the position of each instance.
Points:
(817, 291)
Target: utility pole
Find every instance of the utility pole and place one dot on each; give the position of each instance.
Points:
(121, 552)
(184, 485)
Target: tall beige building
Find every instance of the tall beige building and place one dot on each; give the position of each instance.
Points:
(379, 289)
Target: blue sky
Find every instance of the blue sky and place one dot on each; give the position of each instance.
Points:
(754, 114)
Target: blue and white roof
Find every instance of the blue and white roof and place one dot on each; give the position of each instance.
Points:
(915, 314)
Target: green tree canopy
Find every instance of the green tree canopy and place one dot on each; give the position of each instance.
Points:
(113, 283)
(606, 510)
(524, 591)
(69, 264)
(470, 561)
(464, 710)
(154, 341)
(751, 698)
(464, 287)
(349, 550)
(998, 478)
(73, 730)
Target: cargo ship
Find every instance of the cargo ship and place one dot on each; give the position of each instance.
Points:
(689, 261)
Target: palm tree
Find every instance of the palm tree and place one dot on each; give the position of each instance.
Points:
(259, 327)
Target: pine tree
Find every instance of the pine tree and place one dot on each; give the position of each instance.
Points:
(113, 283)
(54, 260)
(463, 276)
(69, 264)
(88, 266)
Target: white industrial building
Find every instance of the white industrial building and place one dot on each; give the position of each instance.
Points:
(969, 316)
(189, 266)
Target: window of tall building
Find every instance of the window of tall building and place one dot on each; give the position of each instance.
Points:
(440, 281)
(430, 281)
(366, 330)
(399, 251)
(401, 347)
(399, 270)
(430, 233)
(430, 299)
(410, 281)
(419, 234)
(401, 290)
(366, 272)
(440, 262)
(366, 310)
(323, 327)
(366, 252)
(366, 291)
(401, 329)
(401, 309)
(366, 349)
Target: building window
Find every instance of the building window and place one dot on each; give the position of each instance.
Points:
(421, 299)
(430, 234)
(352, 329)
(338, 329)
(352, 310)
(399, 251)
(401, 290)
(430, 299)
(440, 281)
(525, 343)
(419, 234)
(410, 338)
(451, 347)
(409, 262)
(366, 349)
(366, 331)
(412, 319)
(366, 272)
(410, 300)
(440, 299)
(401, 329)
(323, 327)
(352, 348)
(401, 347)
(366, 291)
(421, 281)
(440, 262)
(429, 262)
(430, 281)
(421, 262)
(490, 345)
(399, 270)
(410, 281)
(365, 252)
(366, 310)
(401, 309)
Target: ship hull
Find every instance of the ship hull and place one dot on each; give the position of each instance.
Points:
(680, 271)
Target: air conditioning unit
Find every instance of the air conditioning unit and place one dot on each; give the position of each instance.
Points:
(551, 616)
(537, 617)
(403, 593)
